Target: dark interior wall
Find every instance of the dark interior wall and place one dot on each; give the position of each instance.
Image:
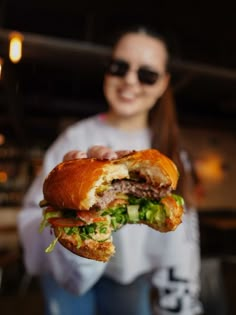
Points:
(198, 31)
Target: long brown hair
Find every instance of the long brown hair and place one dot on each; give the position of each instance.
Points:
(166, 137)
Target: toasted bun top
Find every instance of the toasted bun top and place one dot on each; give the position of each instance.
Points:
(73, 184)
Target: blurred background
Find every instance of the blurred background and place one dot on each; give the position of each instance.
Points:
(57, 80)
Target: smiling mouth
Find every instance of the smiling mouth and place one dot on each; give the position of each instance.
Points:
(127, 96)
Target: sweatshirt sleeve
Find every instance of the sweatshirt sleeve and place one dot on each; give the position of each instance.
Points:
(75, 273)
(178, 280)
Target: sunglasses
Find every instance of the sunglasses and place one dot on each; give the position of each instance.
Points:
(119, 68)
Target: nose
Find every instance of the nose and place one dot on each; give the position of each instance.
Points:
(131, 77)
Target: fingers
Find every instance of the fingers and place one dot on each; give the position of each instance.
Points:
(75, 154)
(101, 152)
(97, 151)
(122, 153)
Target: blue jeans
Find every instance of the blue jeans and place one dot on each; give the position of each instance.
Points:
(107, 297)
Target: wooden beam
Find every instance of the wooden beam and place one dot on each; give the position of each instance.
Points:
(50, 49)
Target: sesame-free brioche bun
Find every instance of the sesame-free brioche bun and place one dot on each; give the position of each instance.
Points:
(73, 184)
(97, 190)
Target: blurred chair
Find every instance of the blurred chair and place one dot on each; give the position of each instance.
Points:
(10, 254)
(218, 237)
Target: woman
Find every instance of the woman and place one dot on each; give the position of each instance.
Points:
(135, 80)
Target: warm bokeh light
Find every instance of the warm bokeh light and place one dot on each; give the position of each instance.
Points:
(1, 67)
(2, 139)
(3, 177)
(210, 167)
(15, 47)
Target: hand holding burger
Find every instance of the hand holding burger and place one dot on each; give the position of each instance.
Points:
(90, 195)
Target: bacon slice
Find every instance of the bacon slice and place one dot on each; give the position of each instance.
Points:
(66, 222)
(90, 216)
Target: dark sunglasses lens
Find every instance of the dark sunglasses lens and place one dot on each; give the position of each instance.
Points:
(118, 68)
(147, 76)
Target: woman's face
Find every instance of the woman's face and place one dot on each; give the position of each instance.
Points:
(126, 95)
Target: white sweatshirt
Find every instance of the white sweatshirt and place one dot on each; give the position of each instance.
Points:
(172, 258)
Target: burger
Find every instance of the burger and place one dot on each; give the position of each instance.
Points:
(86, 200)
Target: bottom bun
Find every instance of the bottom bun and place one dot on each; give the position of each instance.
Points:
(100, 251)
(170, 226)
